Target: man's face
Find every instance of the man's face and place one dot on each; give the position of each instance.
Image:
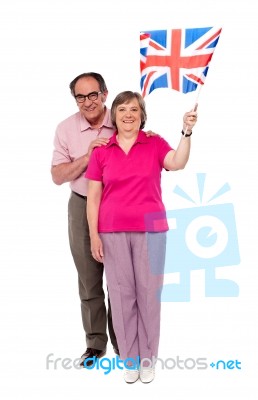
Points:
(91, 109)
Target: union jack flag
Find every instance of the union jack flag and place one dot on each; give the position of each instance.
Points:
(176, 58)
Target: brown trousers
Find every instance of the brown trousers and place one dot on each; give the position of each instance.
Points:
(90, 276)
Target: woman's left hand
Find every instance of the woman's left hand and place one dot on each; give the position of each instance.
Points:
(190, 119)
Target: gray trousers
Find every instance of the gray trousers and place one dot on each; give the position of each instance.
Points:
(90, 277)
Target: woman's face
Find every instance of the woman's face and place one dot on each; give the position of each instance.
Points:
(128, 116)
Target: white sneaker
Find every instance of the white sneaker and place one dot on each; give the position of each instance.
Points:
(147, 374)
(131, 375)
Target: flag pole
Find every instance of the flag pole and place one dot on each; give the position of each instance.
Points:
(198, 94)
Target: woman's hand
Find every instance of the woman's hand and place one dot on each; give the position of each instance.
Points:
(189, 119)
(96, 248)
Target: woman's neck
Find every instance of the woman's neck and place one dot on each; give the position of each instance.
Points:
(126, 140)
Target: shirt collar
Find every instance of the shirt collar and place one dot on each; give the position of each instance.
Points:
(141, 138)
(84, 123)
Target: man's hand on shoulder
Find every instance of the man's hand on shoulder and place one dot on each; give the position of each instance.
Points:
(151, 133)
(102, 141)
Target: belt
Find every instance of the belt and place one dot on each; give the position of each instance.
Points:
(80, 195)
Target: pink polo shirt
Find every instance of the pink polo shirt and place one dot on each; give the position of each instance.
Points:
(131, 198)
(72, 139)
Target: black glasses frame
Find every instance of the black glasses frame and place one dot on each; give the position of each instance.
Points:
(80, 98)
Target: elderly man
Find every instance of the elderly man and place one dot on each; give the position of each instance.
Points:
(74, 141)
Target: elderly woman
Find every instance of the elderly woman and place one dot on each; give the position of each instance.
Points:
(127, 222)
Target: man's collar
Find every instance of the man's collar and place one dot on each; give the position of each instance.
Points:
(84, 123)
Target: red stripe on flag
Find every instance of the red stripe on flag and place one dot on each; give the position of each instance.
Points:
(209, 40)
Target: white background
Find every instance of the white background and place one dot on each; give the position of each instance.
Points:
(44, 45)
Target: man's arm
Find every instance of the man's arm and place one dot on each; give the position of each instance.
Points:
(69, 171)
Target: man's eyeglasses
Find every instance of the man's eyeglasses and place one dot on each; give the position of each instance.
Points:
(91, 96)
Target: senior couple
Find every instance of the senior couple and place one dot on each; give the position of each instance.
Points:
(117, 218)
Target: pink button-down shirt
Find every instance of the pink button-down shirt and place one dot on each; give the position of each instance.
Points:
(72, 139)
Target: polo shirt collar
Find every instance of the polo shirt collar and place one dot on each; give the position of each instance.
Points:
(84, 124)
(141, 138)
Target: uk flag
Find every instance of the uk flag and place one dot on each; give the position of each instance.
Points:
(177, 58)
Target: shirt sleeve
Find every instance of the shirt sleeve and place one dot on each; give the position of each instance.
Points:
(61, 152)
(163, 148)
(94, 169)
